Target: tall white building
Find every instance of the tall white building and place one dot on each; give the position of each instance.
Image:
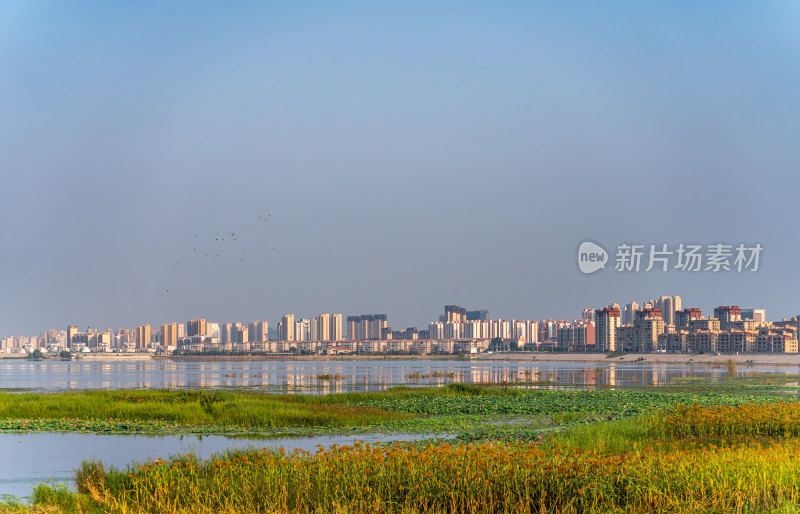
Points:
(629, 313)
(476, 329)
(499, 328)
(303, 330)
(668, 305)
(286, 328)
(519, 329)
(336, 327)
(212, 330)
(436, 330)
(452, 330)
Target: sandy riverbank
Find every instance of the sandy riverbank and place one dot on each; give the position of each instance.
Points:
(650, 358)
(116, 357)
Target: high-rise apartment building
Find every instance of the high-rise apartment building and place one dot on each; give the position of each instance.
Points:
(126, 338)
(642, 336)
(258, 331)
(142, 337)
(225, 331)
(323, 326)
(336, 327)
(366, 326)
(533, 331)
(409, 333)
(212, 330)
(240, 333)
(780, 340)
(578, 336)
(454, 313)
(436, 330)
(757, 315)
(71, 331)
(499, 328)
(548, 330)
(728, 316)
(478, 315)
(519, 330)
(196, 327)
(668, 305)
(704, 341)
(684, 318)
(302, 330)
(452, 329)
(736, 341)
(376, 327)
(629, 313)
(607, 321)
(169, 334)
(286, 328)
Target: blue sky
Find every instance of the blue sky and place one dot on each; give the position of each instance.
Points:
(409, 155)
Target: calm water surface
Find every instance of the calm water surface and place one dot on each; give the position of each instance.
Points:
(305, 376)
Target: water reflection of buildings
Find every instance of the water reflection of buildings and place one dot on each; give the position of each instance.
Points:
(304, 376)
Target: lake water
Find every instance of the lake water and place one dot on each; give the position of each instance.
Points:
(33, 458)
(309, 376)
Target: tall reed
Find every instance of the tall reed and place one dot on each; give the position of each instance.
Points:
(467, 478)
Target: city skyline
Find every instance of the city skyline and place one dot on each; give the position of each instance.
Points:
(347, 327)
(274, 321)
(657, 325)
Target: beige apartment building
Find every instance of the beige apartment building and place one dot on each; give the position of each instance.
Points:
(736, 341)
(607, 323)
(169, 334)
(142, 337)
(704, 341)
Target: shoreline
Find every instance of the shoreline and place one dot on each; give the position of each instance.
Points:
(532, 357)
(648, 358)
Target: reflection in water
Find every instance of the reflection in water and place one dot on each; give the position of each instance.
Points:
(345, 376)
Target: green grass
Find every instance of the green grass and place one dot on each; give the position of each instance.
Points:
(429, 409)
(195, 408)
(609, 437)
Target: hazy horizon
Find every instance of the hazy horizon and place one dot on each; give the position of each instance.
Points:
(407, 156)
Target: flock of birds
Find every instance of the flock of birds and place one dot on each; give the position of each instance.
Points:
(219, 243)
